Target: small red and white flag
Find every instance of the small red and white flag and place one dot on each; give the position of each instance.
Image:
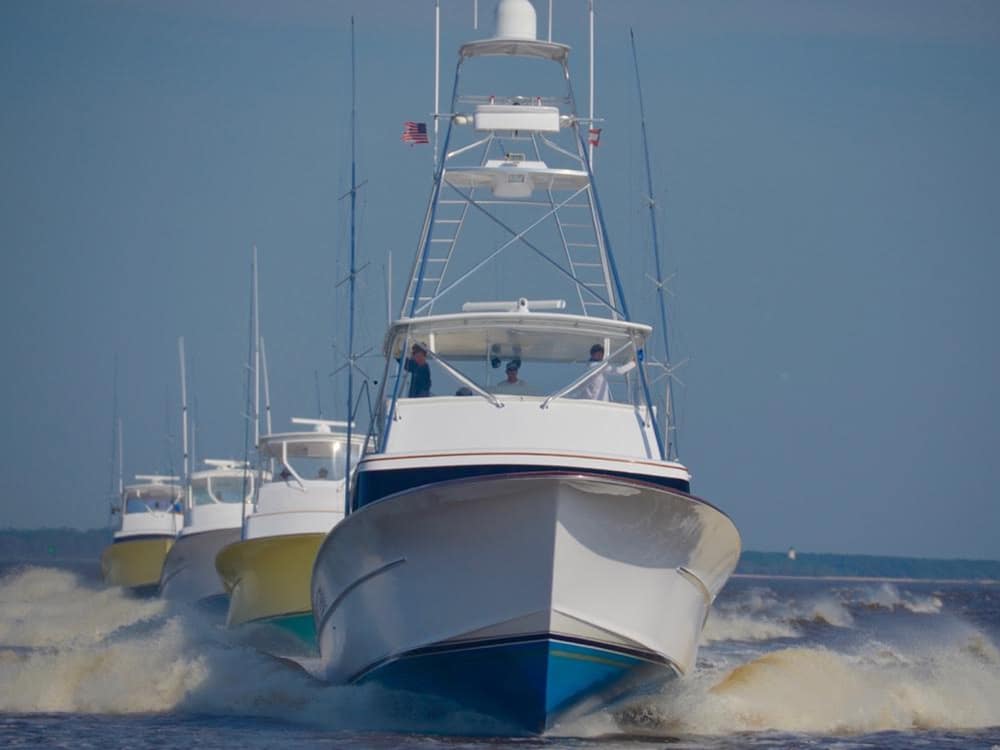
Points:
(415, 132)
(595, 137)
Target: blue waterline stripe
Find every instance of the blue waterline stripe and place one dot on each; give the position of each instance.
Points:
(471, 645)
(375, 484)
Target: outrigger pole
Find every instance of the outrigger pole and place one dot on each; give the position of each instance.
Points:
(256, 357)
(437, 70)
(116, 442)
(651, 201)
(267, 388)
(253, 381)
(121, 460)
(184, 417)
(590, 141)
(354, 270)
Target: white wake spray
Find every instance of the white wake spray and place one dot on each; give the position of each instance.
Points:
(954, 685)
(69, 647)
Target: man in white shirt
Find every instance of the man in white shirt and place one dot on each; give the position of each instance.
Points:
(597, 387)
(513, 384)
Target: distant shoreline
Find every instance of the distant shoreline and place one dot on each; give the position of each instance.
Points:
(866, 579)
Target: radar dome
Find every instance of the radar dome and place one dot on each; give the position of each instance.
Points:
(516, 20)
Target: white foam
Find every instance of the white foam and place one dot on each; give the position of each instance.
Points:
(888, 596)
(759, 614)
(47, 607)
(67, 648)
(725, 626)
(826, 609)
(820, 691)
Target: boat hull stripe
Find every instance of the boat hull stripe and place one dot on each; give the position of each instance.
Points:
(375, 484)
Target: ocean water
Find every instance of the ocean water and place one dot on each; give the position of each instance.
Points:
(814, 663)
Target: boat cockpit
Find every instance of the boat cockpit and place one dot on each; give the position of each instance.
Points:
(497, 354)
(529, 379)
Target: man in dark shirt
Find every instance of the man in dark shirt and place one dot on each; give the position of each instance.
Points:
(420, 372)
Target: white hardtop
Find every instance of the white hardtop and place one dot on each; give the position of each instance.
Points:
(540, 336)
(154, 486)
(516, 48)
(313, 443)
(221, 468)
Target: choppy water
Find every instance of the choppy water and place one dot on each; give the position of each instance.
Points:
(786, 663)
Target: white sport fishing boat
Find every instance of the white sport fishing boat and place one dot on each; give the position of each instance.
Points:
(266, 570)
(530, 551)
(215, 502)
(150, 516)
(213, 517)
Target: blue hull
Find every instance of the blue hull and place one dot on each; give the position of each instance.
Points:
(528, 683)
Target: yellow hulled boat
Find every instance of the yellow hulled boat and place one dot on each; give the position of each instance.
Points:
(268, 581)
(267, 574)
(150, 517)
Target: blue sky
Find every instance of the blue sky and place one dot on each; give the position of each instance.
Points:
(829, 183)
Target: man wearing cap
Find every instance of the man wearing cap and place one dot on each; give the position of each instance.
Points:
(420, 372)
(597, 387)
(513, 384)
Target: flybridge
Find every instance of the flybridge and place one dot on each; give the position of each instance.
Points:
(515, 185)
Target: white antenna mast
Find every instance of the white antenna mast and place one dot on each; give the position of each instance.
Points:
(184, 411)
(267, 398)
(550, 20)
(388, 291)
(256, 358)
(267, 388)
(194, 435)
(121, 460)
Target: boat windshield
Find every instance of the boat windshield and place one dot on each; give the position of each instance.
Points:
(311, 460)
(222, 489)
(144, 502)
(550, 356)
(149, 505)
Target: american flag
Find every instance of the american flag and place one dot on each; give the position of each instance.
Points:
(415, 132)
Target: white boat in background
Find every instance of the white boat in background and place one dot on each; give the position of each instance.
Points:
(214, 507)
(215, 501)
(266, 570)
(150, 516)
(535, 554)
